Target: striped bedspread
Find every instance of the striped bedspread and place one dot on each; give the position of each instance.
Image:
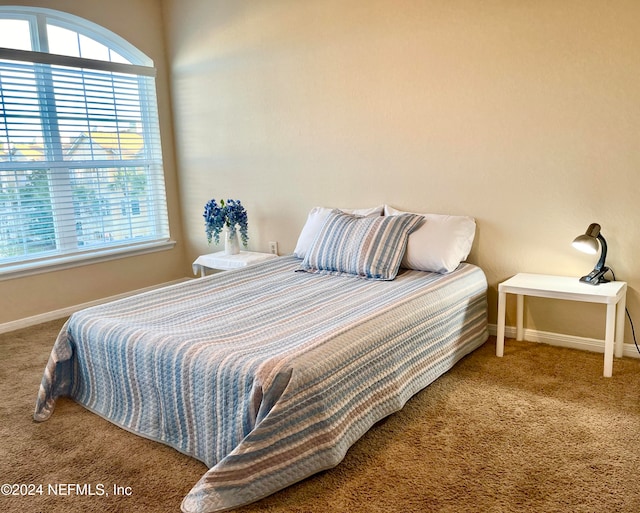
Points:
(265, 374)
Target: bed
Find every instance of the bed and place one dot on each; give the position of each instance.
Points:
(266, 374)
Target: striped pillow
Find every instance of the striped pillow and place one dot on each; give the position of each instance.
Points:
(367, 247)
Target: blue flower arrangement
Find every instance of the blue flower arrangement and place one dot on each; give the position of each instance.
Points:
(230, 214)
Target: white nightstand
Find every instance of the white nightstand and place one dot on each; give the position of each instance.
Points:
(224, 262)
(612, 294)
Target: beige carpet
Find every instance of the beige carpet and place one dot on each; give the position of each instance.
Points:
(539, 430)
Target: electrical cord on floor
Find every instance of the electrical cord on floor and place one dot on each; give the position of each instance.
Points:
(633, 331)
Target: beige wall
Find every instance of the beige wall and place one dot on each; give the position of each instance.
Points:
(140, 23)
(523, 114)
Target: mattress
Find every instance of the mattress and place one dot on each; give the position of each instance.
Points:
(266, 374)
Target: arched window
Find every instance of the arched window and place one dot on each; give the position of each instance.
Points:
(81, 173)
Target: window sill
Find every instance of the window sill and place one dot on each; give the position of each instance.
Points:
(59, 263)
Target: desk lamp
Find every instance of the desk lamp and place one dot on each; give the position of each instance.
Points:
(588, 243)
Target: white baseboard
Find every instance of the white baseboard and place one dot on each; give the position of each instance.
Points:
(66, 312)
(559, 339)
(545, 337)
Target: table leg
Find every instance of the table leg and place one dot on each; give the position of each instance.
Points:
(608, 340)
(502, 311)
(520, 317)
(620, 318)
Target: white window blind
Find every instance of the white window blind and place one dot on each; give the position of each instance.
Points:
(80, 156)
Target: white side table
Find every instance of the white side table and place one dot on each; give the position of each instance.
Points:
(224, 262)
(613, 294)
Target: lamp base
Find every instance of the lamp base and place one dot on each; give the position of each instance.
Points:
(596, 277)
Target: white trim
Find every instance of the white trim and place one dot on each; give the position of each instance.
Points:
(544, 337)
(59, 263)
(65, 312)
(562, 340)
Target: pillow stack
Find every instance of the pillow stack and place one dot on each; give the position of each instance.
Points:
(367, 247)
(374, 243)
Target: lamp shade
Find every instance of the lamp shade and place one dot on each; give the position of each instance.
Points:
(586, 244)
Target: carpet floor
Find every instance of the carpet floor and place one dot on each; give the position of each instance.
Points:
(539, 430)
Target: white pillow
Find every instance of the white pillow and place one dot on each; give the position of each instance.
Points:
(316, 219)
(439, 244)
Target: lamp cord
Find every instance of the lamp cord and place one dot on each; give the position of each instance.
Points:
(633, 331)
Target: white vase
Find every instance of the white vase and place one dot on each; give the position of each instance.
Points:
(231, 243)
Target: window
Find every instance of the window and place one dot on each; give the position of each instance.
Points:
(81, 173)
